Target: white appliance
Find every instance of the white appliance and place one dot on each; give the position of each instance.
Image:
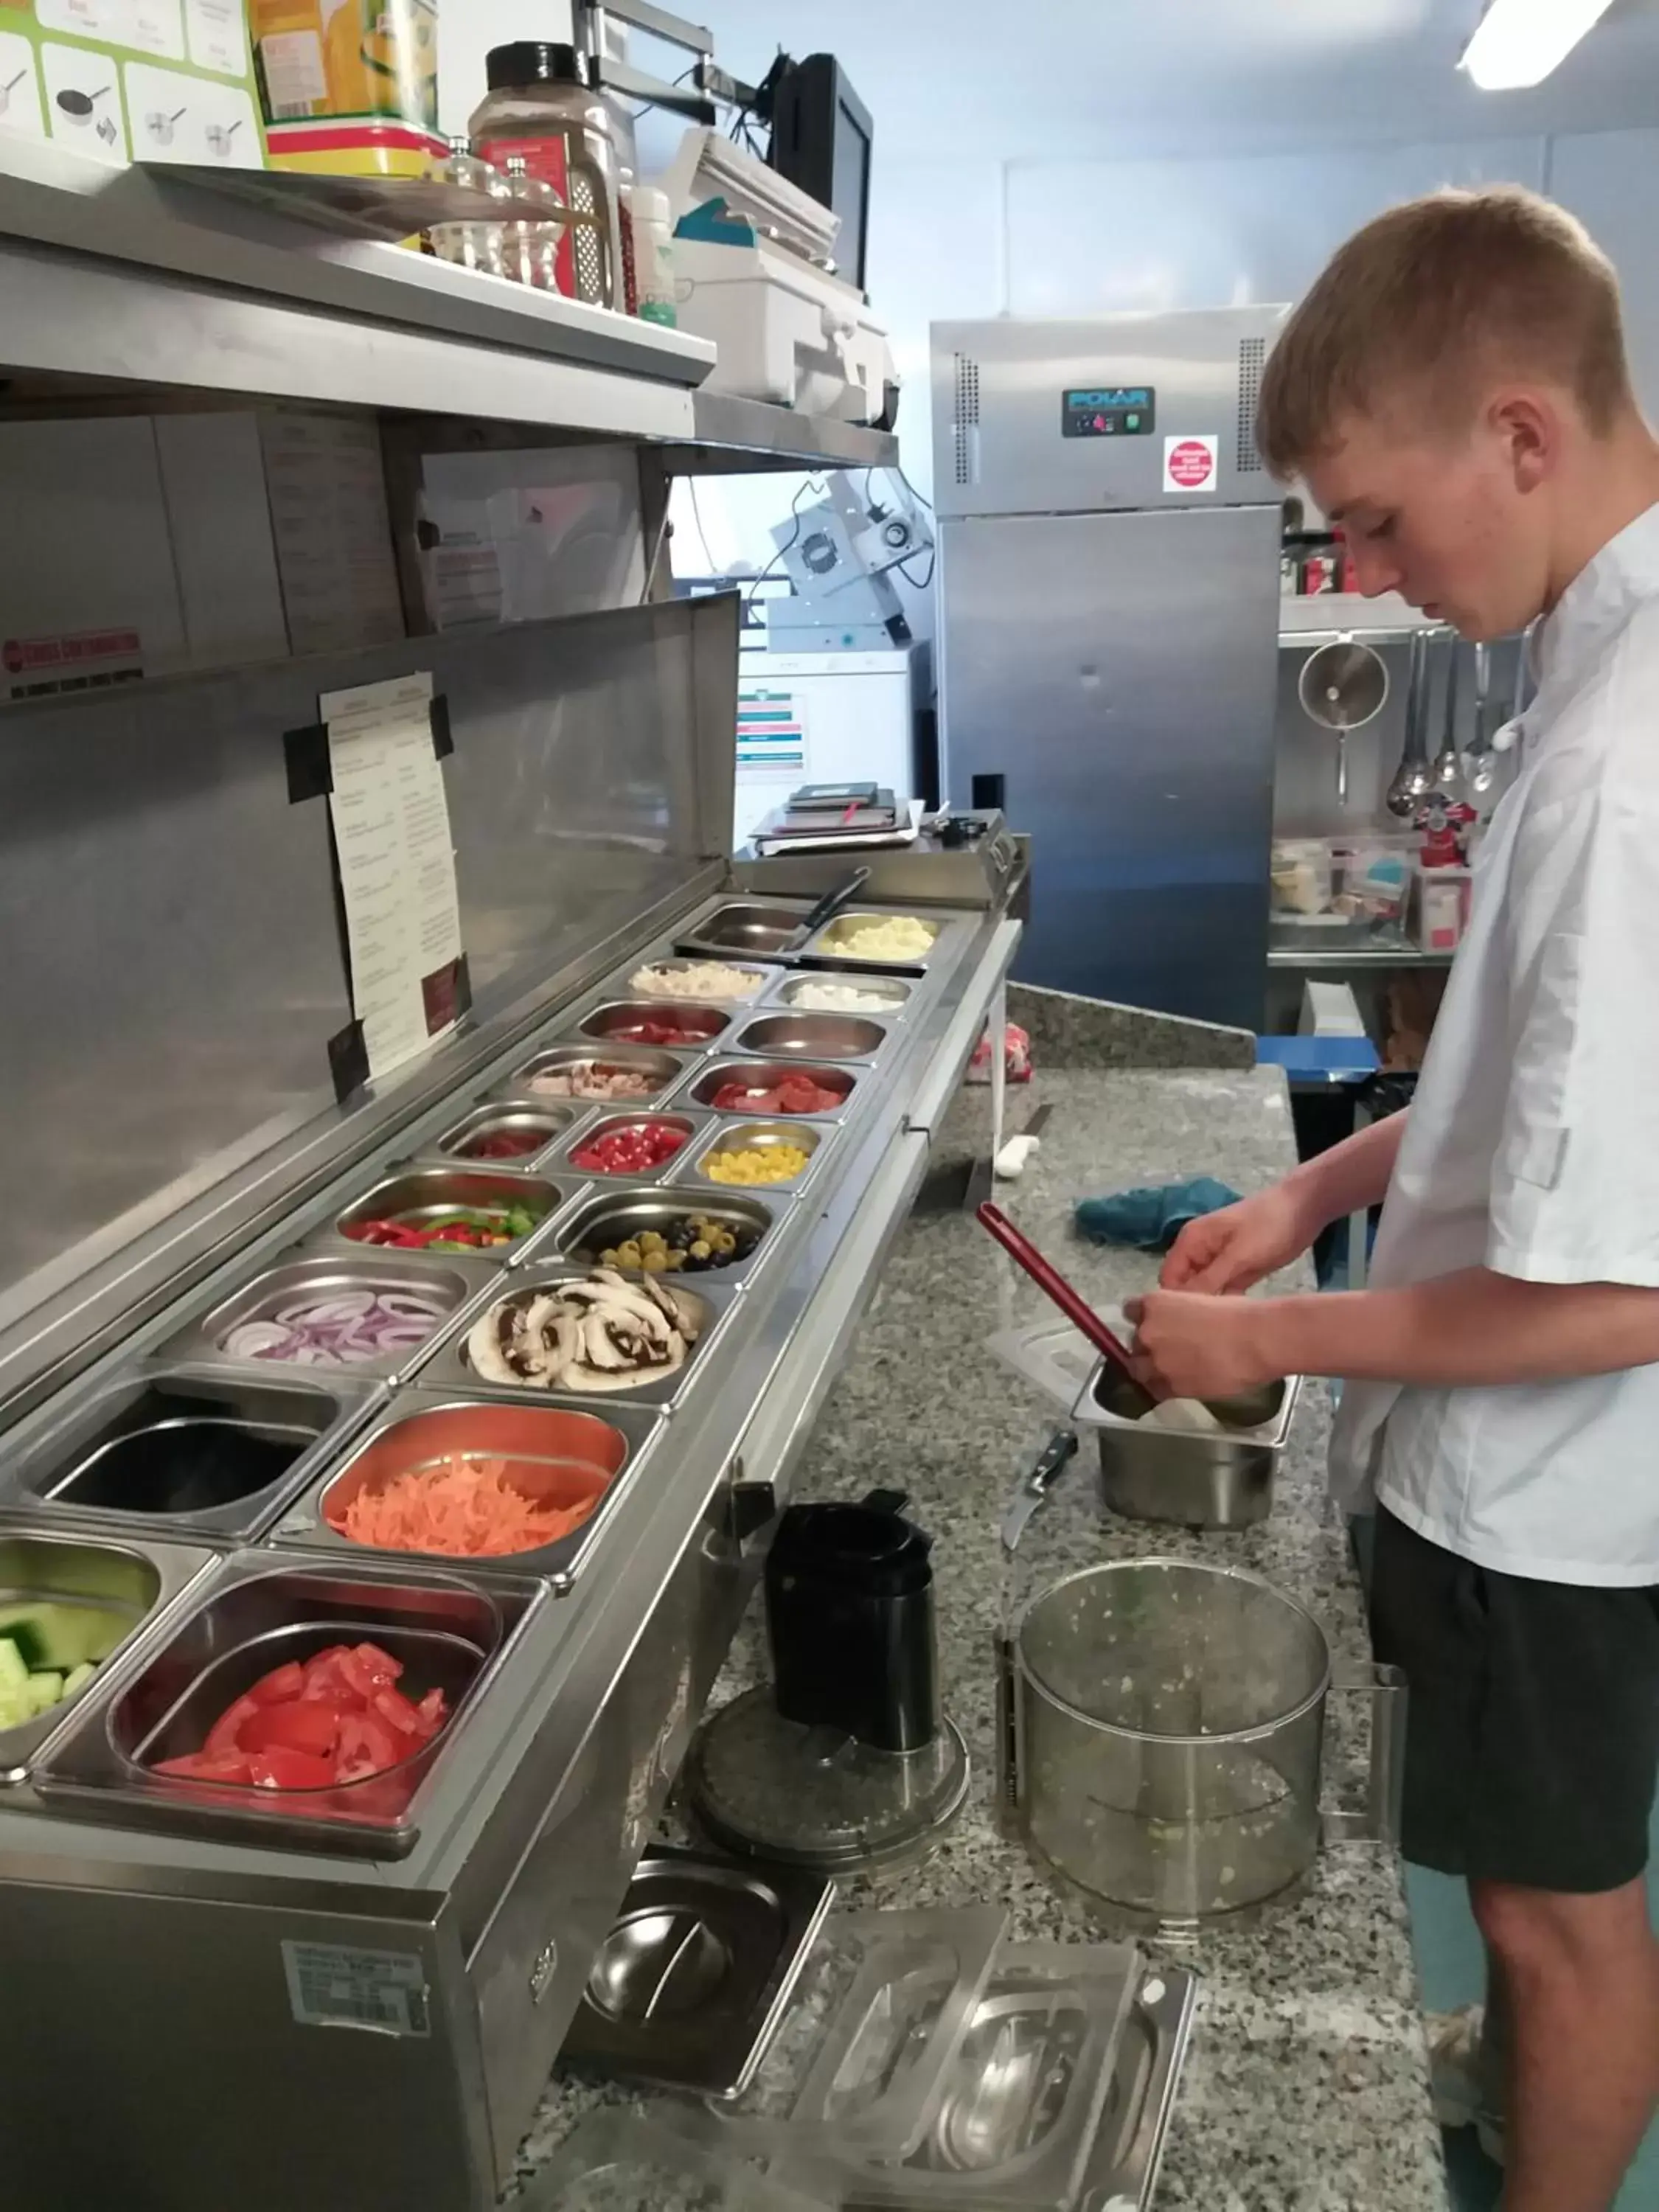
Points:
(748, 254)
(837, 555)
(820, 718)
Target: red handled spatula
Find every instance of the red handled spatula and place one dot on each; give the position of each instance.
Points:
(1077, 1309)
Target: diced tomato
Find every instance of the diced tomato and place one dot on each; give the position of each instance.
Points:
(432, 1711)
(306, 1725)
(279, 1769)
(281, 1682)
(225, 1737)
(197, 1766)
(367, 1746)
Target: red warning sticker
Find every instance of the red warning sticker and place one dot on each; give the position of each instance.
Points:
(1191, 463)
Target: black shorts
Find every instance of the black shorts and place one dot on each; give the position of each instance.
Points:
(1531, 1730)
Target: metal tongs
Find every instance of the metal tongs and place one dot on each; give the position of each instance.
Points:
(1076, 1308)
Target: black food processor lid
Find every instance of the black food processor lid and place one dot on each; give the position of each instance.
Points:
(770, 1788)
(531, 61)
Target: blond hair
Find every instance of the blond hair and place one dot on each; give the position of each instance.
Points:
(1432, 299)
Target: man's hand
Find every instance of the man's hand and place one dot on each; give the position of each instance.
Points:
(1190, 1345)
(1230, 1251)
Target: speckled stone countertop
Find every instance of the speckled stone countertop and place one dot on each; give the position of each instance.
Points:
(1306, 2084)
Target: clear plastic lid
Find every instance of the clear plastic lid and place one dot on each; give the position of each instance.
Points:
(617, 2162)
(1038, 2071)
(771, 1787)
(859, 2063)
(1057, 1359)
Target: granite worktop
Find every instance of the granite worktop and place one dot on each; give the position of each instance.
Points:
(1306, 2084)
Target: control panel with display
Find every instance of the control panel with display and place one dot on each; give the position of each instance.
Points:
(1110, 410)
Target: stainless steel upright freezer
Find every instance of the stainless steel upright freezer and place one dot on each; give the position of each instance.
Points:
(1108, 636)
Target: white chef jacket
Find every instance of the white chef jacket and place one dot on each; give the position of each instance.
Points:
(1532, 1146)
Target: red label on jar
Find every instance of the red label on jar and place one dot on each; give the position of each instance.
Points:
(544, 158)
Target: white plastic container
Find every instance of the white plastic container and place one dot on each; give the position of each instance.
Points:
(1440, 908)
(653, 228)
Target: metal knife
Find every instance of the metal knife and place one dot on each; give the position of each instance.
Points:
(1035, 1484)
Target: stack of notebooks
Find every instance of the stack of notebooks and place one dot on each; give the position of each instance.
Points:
(824, 816)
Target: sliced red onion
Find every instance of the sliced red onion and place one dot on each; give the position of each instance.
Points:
(310, 1313)
(343, 1330)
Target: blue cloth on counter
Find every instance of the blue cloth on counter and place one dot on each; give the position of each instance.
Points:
(1151, 1218)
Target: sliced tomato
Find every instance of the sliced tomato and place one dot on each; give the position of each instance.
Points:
(323, 1676)
(432, 1711)
(281, 1682)
(367, 1668)
(197, 1766)
(308, 1724)
(278, 1769)
(367, 1746)
(225, 1737)
(403, 1719)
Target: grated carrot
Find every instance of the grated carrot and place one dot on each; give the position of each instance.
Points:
(469, 1509)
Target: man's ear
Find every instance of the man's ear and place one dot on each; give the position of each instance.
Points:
(1529, 428)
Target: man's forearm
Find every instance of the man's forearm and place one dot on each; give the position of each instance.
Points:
(1474, 1328)
(1351, 1175)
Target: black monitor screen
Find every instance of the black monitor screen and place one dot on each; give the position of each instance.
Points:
(822, 138)
(852, 190)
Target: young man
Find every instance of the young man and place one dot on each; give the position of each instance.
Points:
(1455, 390)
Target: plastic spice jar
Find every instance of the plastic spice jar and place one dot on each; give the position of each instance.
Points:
(539, 107)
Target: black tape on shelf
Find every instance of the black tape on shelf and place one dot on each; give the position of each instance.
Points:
(310, 764)
(443, 740)
(348, 1060)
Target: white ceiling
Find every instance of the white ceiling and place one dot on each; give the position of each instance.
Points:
(1098, 79)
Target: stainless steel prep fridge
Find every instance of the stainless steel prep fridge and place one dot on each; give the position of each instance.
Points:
(349, 1997)
(1108, 636)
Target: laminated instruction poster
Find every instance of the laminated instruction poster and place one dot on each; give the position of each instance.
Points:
(397, 867)
(122, 81)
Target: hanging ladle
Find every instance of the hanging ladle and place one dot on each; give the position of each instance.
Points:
(1446, 775)
(1412, 780)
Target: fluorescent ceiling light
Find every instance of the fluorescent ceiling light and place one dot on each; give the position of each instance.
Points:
(1519, 42)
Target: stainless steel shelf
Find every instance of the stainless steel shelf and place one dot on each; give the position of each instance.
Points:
(1369, 955)
(746, 434)
(1318, 618)
(125, 283)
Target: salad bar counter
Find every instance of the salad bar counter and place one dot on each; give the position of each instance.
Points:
(358, 1601)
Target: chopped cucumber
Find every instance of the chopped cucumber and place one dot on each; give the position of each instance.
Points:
(46, 1690)
(15, 1707)
(59, 1635)
(77, 1678)
(13, 1664)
